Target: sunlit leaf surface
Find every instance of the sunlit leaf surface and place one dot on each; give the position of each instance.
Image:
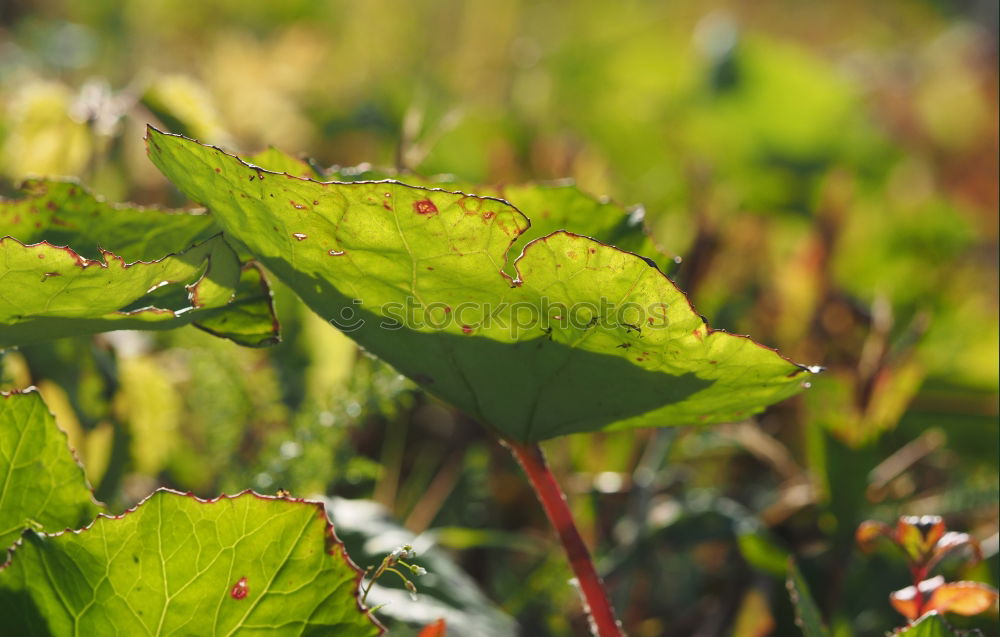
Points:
(585, 338)
(176, 565)
(72, 264)
(43, 485)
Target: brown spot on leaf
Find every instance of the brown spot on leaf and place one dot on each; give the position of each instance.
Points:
(218, 170)
(425, 207)
(240, 590)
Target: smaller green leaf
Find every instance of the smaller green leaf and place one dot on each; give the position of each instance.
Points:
(60, 293)
(66, 213)
(237, 565)
(279, 161)
(563, 206)
(121, 268)
(760, 550)
(930, 625)
(43, 484)
(249, 319)
(807, 616)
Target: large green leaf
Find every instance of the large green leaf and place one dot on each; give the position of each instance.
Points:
(72, 264)
(585, 338)
(176, 565)
(42, 483)
(550, 206)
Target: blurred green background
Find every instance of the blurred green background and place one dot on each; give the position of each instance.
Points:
(825, 172)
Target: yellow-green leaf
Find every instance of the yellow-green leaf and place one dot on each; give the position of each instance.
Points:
(587, 337)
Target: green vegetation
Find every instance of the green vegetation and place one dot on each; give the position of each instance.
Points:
(822, 178)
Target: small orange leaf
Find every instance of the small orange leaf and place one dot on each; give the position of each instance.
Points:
(917, 536)
(437, 629)
(964, 598)
(869, 531)
(905, 600)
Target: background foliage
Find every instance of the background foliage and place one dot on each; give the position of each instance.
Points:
(826, 173)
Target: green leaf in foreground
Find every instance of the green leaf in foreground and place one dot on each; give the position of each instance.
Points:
(42, 483)
(930, 625)
(244, 564)
(72, 264)
(585, 338)
(807, 615)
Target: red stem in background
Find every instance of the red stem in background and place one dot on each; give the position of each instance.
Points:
(595, 600)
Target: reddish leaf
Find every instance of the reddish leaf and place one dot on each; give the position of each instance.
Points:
(923, 539)
(952, 541)
(917, 536)
(964, 598)
(437, 629)
(910, 602)
(869, 531)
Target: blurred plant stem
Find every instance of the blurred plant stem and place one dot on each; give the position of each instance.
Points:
(601, 615)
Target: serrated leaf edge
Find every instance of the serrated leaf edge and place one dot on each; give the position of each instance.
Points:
(812, 369)
(29, 390)
(330, 534)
